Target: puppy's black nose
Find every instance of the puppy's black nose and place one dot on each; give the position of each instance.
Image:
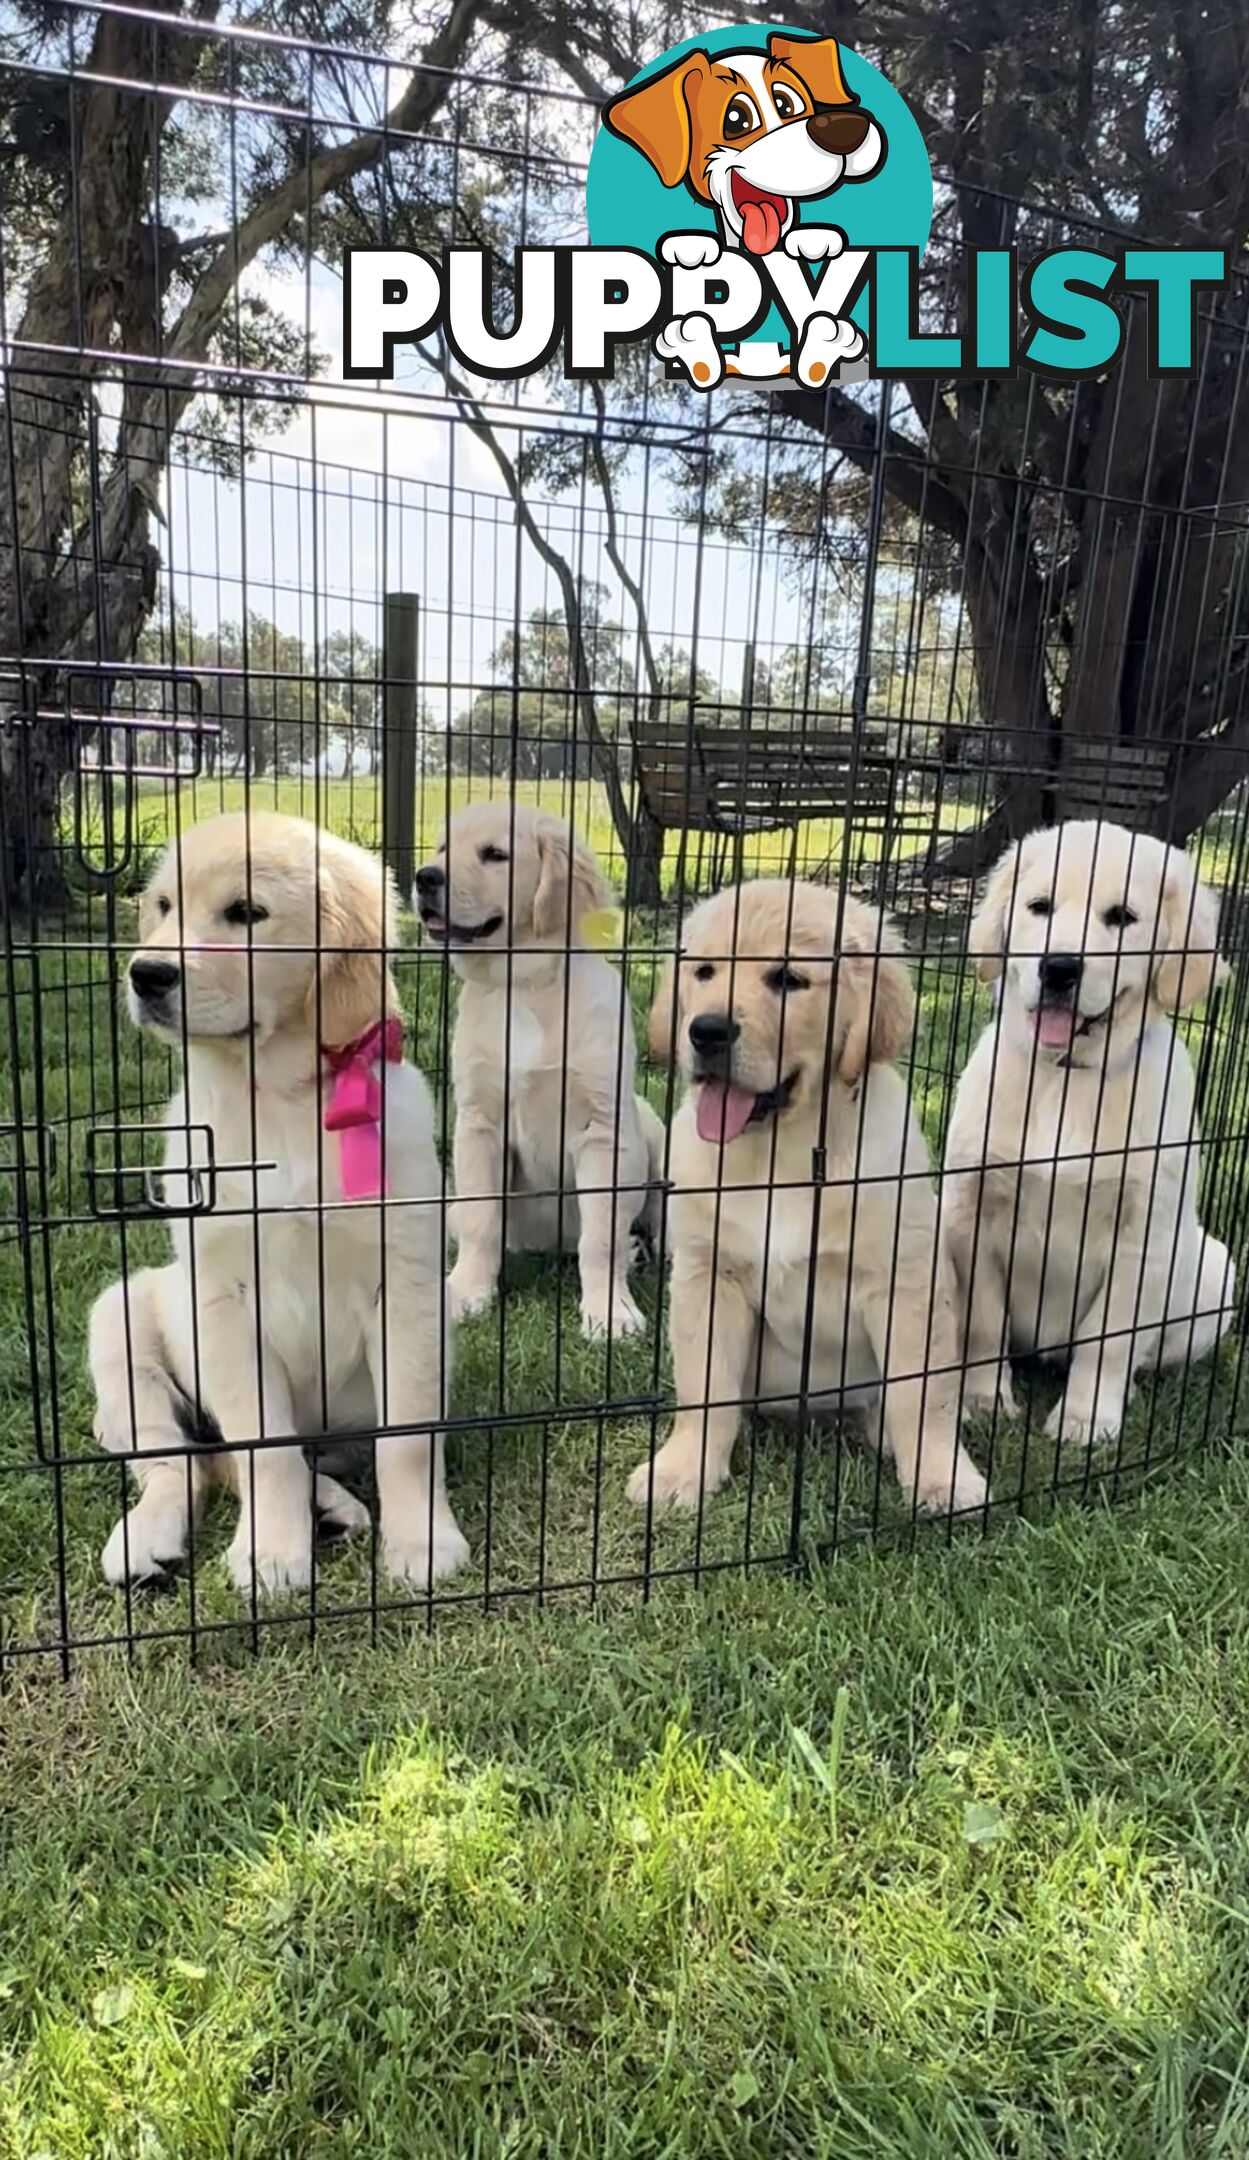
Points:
(1060, 972)
(841, 130)
(713, 1034)
(153, 979)
(430, 881)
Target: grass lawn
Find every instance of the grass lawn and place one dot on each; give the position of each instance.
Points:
(933, 1854)
(352, 805)
(936, 1849)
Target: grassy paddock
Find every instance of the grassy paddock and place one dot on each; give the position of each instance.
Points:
(352, 806)
(933, 1857)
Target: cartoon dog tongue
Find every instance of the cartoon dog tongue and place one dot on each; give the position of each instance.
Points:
(723, 1110)
(761, 225)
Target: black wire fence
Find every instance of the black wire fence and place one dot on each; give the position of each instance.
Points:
(662, 959)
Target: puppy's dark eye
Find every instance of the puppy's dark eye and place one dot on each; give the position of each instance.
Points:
(241, 912)
(492, 854)
(786, 978)
(164, 904)
(787, 102)
(704, 971)
(1040, 907)
(740, 118)
(1119, 918)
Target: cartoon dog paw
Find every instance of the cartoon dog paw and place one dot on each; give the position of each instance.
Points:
(826, 341)
(815, 243)
(691, 250)
(691, 343)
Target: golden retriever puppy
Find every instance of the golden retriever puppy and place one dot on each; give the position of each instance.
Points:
(291, 1305)
(785, 1032)
(1069, 1204)
(551, 1142)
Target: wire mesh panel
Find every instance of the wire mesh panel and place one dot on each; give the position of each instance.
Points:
(694, 876)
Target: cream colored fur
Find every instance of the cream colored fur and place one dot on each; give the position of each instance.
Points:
(881, 1340)
(271, 1317)
(1069, 1201)
(543, 1062)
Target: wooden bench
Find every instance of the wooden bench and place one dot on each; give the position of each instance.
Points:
(733, 781)
(1119, 780)
(729, 781)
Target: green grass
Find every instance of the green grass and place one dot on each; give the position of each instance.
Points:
(937, 1850)
(352, 806)
(608, 1885)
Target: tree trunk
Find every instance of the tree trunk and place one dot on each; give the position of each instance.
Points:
(77, 587)
(35, 755)
(644, 857)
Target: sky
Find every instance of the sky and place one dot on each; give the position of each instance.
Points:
(367, 492)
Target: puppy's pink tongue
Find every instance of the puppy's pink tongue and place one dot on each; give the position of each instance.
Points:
(761, 227)
(1055, 1025)
(723, 1110)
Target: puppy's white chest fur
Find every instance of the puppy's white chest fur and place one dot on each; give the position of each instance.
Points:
(766, 1240)
(305, 1268)
(517, 1038)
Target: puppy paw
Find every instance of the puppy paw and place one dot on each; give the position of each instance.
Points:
(278, 1558)
(690, 344)
(620, 1317)
(339, 1513)
(826, 342)
(963, 1494)
(418, 1561)
(468, 1292)
(140, 1552)
(988, 1393)
(1076, 1423)
(690, 250)
(675, 1479)
(814, 243)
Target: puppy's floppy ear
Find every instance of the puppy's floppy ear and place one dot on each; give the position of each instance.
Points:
(818, 62)
(566, 862)
(665, 1015)
(1188, 925)
(655, 116)
(149, 916)
(986, 939)
(874, 993)
(357, 912)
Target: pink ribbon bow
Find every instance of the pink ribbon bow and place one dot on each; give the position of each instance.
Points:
(355, 1106)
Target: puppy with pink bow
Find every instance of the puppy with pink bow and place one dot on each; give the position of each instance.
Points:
(305, 1293)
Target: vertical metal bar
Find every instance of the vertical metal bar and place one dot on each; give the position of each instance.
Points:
(400, 629)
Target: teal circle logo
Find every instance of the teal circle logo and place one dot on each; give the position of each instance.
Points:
(783, 151)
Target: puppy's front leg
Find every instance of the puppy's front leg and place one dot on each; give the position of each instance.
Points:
(477, 1214)
(605, 1249)
(713, 1325)
(135, 1417)
(975, 1271)
(914, 1338)
(1113, 1337)
(246, 1386)
(421, 1539)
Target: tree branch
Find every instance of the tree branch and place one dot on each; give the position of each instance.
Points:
(583, 686)
(303, 189)
(912, 481)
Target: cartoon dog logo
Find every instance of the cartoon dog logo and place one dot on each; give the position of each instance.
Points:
(754, 134)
